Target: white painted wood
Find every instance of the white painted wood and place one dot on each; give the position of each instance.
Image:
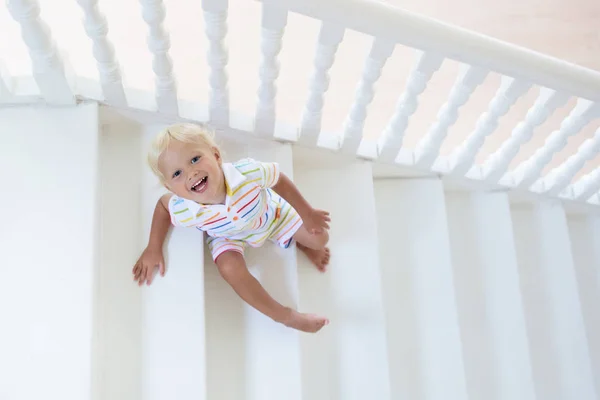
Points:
(48, 293)
(560, 177)
(48, 67)
(584, 232)
(246, 349)
(381, 50)
(587, 186)
(347, 359)
(215, 18)
(153, 12)
(387, 21)
(425, 351)
(173, 325)
(118, 355)
(555, 327)
(529, 170)
(6, 84)
(273, 350)
(330, 37)
(467, 81)
(391, 140)
(274, 19)
(508, 93)
(490, 308)
(109, 70)
(546, 103)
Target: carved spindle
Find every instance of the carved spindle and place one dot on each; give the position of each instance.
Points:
(109, 70)
(274, 20)
(354, 124)
(560, 177)
(330, 37)
(391, 141)
(587, 186)
(159, 44)
(509, 92)
(428, 148)
(48, 67)
(215, 18)
(547, 102)
(529, 171)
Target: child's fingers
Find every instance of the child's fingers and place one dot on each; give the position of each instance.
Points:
(161, 268)
(143, 273)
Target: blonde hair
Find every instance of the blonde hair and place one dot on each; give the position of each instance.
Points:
(195, 134)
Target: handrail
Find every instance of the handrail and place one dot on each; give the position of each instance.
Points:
(380, 20)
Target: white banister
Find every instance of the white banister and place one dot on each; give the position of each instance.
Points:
(391, 141)
(467, 81)
(330, 37)
(528, 171)
(109, 70)
(215, 18)
(381, 50)
(48, 67)
(508, 93)
(587, 186)
(159, 44)
(274, 20)
(382, 20)
(547, 102)
(560, 177)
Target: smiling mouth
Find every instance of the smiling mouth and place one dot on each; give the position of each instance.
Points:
(200, 186)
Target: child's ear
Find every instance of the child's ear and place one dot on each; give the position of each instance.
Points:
(217, 154)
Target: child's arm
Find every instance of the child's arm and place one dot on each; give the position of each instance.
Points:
(152, 257)
(314, 220)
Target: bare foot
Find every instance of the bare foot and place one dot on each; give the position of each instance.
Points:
(306, 322)
(320, 258)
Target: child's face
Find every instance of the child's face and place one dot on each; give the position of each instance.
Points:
(193, 172)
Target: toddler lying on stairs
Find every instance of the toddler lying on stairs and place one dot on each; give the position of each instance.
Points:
(237, 204)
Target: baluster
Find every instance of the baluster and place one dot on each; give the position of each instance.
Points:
(330, 37)
(587, 186)
(274, 20)
(509, 92)
(560, 177)
(109, 70)
(528, 171)
(215, 18)
(547, 102)
(428, 148)
(48, 67)
(355, 121)
(153, 12)
(6, 83)
(391, 141)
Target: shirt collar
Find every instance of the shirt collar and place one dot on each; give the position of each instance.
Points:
(233, 179)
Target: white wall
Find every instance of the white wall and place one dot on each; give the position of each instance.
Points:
(48, 228)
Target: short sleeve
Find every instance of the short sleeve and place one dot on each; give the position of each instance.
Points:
(181, 213)
(265, 174)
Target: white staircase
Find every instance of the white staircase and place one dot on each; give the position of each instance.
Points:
(465, 274)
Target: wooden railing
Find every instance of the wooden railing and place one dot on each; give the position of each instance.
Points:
(388, 26)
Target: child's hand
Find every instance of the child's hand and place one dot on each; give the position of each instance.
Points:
(150, 259)
(316, 221)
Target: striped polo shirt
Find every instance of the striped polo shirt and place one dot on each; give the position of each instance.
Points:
(252, 213)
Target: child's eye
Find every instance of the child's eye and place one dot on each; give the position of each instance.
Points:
(176, 174)
(195, 159)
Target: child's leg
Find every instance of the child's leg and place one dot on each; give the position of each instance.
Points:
(314, 247)
(232, 268)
